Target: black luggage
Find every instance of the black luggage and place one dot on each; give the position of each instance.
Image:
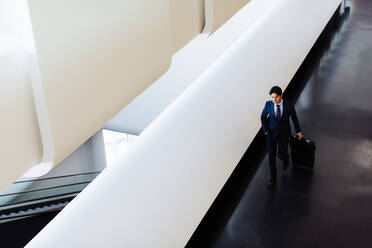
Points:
(302, 152)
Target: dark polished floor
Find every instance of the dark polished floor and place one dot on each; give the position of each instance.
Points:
(331, 206)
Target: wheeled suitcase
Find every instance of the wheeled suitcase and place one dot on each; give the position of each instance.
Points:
(302, 152)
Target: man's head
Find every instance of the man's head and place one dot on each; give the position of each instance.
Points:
(276, 94)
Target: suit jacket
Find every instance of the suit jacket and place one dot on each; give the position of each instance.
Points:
(273, 127)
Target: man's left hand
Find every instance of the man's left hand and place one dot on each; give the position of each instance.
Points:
(300, 136)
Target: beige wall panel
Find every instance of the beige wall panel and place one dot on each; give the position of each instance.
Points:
(20, 142)
(95, 57)
(188, 19)
(223, 10)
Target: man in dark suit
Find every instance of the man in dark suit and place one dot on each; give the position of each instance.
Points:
(277, 128)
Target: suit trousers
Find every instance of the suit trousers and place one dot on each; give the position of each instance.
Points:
(274, 145)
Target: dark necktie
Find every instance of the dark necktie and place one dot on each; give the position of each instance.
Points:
(278, 112)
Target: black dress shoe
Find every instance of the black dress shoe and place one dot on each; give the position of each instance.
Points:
(285, 165)
(271, 184)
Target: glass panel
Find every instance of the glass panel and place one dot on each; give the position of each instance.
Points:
(116, 143)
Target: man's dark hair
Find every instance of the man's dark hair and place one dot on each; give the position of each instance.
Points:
(277, 90)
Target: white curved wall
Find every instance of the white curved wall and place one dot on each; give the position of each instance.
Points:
(95, 57)
(20, 135)
(160, 190)
(187, 65)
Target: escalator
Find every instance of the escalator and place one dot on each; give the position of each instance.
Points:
(27, 206)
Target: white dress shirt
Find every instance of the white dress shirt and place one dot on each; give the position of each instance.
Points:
(280, 106)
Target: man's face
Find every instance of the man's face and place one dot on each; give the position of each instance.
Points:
(276, 98)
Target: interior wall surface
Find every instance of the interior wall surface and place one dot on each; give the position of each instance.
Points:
(95, 57)
(188, 19)
(159, 191)
(89, 157)
(222, 10)
(187, 65)
(20, 141)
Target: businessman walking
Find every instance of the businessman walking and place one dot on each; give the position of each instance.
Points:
(277, 128)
